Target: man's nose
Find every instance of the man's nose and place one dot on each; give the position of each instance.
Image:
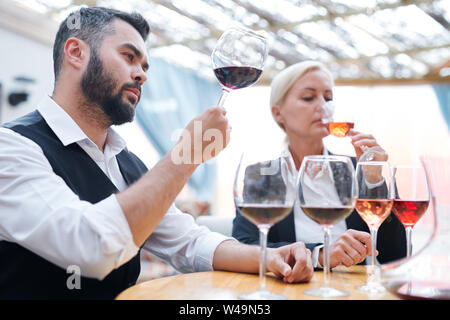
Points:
(139, 76)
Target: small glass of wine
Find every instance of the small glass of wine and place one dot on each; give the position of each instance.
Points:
(374, 204)
(338, 128)
(412, 197)
(264, 193)
(327, 194)
(238, 59)
(341, 127)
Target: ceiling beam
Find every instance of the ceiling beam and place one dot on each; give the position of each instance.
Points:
(379, 81)
(391, 81)
(436, 16)
(350, 12)
(394, 53)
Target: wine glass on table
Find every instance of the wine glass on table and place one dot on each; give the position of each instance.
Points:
(412, 197)
(264, 193)
(341, 127)
(238, 59)
(327, 194)
(374, 204)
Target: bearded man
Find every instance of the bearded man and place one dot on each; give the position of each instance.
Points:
(74, 199)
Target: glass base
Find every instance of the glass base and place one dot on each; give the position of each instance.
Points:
(372, 288)
(327, 292)
(261, 295)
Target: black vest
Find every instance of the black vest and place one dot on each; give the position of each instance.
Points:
(25, 275)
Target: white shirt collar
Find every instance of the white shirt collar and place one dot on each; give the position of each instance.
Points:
(287, 154)
(68, 131)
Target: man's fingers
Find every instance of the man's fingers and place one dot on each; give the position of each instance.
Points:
(302, 270)
(281, 268)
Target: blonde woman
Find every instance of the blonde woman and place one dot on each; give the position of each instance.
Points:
(297, 94)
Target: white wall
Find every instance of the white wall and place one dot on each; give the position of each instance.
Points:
(22, 56)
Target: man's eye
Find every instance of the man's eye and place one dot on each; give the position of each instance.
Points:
(328, 99)
(307, 98)
(129, 56)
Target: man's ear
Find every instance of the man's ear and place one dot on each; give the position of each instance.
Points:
(76, 53)
(276, 112)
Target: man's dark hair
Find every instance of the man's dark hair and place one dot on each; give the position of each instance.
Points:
(92, 25)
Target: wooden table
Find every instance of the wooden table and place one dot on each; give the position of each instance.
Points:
(222, 285)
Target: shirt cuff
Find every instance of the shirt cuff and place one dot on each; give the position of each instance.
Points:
(207, 248)
(315, 256)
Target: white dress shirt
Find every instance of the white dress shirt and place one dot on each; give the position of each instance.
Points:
(41, 213)
(306, 229)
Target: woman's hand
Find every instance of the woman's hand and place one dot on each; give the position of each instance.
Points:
(351, 248)
(362, 141)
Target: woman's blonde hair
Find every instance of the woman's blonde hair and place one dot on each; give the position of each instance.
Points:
(284, 80)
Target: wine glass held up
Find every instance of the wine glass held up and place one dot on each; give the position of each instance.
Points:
(264, 193)
(327, 194)
(238, 59)
(366, 147)
(338, 128)
(374, 204)
(412, 197)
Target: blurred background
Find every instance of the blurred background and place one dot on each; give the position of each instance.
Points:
(390, 60)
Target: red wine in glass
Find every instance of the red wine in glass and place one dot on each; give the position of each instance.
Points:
(412, 198)
(409, 212)
(237, 77)
(238, 59)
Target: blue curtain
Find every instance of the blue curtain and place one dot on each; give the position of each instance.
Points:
(171, 97)
(442, 92)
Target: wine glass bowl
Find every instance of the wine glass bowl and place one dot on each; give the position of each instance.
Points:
(411, 199)
(327, 193)
(374, 204)
(338, 128)
(264, 193)
(426, 273)
(238, 59)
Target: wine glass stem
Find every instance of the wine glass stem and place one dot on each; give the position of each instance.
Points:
(326, 255)
(263, 231)
(408, 241)
(373, 235)
(223, 96)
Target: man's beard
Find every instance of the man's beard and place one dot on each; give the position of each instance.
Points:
(98, 87)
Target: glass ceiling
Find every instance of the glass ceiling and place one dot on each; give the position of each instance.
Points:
(361, 41)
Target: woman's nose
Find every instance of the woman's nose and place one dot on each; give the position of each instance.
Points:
(320, 104)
